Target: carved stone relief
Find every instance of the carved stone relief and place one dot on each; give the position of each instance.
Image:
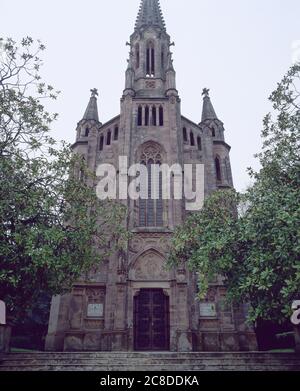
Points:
(149, 267)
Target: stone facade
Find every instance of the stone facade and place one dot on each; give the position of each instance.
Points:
(100, 313)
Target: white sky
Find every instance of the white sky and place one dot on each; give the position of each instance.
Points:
(239, 49)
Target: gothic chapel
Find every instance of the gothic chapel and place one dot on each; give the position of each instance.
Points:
(134, 303)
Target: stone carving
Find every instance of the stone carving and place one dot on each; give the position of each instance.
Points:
(150, 84)
(95, 294)
(150, 266)
(211, 294)
(94, 324)
(150, 240)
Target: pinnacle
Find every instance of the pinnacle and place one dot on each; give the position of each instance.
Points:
(150, 14)
(91, 112)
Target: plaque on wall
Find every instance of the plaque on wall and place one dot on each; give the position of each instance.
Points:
(208, 310)
(95, 310)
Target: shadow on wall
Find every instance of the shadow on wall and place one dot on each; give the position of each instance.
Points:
(271, 336)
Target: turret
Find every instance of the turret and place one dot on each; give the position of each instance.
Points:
(90, 119)
(214, 127)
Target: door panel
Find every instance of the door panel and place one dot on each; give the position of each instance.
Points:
(151, 320)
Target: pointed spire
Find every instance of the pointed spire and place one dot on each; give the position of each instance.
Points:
(208, 109)
(150, 14)
(91, 112)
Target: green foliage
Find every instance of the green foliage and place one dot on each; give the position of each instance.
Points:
(258, 250)
(51, 223)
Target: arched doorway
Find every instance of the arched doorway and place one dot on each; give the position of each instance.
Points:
(151, 320)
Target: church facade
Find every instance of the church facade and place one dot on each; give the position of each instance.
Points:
(132, 301)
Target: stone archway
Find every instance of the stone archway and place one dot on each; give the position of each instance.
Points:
(149, 266)
(150, 305)
(151, 320)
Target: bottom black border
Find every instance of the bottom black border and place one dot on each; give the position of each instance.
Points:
(90, 381)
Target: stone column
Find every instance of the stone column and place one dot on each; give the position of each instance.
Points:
(119, 342)
(58, 323)
(184, 334)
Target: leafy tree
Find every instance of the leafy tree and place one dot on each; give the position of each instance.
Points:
(257, 250)
(51, 223)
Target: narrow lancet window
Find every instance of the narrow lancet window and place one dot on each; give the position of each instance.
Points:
(108, 138)
(150, 60)
(154, 121)
(140, 116)
(161, 116)
(116, 133)
(147, 115)
(199, 143)
(184, 133)
(192, 139)
(101, 143)
(218, 169)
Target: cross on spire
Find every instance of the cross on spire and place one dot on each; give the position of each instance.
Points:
(205, 91)
(94, 92)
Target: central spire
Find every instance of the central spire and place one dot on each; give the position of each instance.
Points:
(150, 15)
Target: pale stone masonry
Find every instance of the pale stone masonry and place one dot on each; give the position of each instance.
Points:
(131, 301)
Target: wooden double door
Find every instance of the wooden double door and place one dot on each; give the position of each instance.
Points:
(151, 321)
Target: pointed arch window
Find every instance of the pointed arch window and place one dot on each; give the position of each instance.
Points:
(192, 139)
(147, 116)
(218, 169)
(199, 143)
(184, 133)
(213, 132)
(101, 143)
(108, 138)
(87, 132)
(154, 119)
(161, 116)
(150, 59)
(151, 210)
(140, 116)
(116, 133)
(228, 170)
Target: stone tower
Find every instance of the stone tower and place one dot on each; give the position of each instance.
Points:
(131, 301)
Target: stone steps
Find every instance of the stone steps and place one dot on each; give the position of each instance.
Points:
(136, 361)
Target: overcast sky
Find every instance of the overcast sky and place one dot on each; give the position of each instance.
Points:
(239, 49)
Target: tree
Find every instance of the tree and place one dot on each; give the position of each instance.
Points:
(52, 226)
(258, 250)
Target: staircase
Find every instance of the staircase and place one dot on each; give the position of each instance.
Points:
(136, 361)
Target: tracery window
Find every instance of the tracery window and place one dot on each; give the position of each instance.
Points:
(151, 210)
